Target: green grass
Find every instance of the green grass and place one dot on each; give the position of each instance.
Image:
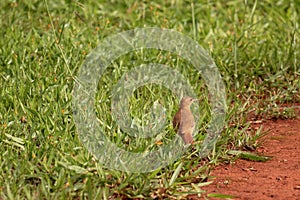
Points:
(43, 45)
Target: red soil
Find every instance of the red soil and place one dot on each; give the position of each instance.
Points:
(278, 178)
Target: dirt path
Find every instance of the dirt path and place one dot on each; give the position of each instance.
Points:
(278, 178)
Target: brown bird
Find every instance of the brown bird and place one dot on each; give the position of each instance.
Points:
(183, 121)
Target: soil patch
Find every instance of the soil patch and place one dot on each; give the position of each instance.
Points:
(278, 178)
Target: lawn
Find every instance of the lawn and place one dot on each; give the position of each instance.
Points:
(43, 45)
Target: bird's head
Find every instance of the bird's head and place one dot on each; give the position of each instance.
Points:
(187, 101)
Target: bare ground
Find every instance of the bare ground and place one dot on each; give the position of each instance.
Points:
(278, 178)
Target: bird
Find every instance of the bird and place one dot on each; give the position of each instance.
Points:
(183, 121)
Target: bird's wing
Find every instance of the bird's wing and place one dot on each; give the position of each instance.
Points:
(176, 121)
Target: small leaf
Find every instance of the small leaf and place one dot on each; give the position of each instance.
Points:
(176, 173)
(249, 156)
(204, 183)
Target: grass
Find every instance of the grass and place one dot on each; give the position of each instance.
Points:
(43, 45)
